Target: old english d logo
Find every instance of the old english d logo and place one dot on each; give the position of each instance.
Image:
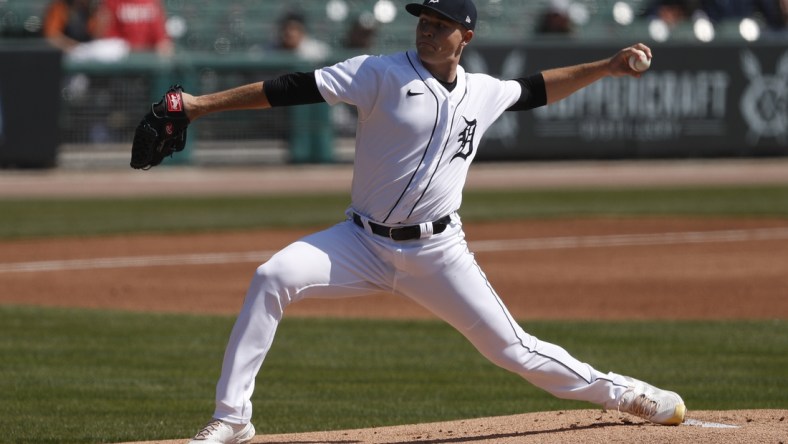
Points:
(466, 140)
(174, 102)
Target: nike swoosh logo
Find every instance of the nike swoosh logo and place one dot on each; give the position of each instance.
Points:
(411, 93)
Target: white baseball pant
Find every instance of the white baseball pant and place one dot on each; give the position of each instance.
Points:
(440, 273)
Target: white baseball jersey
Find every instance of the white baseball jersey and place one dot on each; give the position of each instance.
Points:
(415, 140)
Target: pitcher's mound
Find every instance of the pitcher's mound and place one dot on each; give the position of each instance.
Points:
(561, 427)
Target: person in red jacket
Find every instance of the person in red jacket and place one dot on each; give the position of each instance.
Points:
(141, 23)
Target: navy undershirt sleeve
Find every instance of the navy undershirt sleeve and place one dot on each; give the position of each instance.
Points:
(297, 88)
(533, 95)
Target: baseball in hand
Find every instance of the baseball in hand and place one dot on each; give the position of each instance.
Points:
(639, 62)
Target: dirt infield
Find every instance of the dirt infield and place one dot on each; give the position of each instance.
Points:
(563, 269)
(337, 178)
(629, 268)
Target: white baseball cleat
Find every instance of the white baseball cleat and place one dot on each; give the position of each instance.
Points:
(220, 432)
(648, 402)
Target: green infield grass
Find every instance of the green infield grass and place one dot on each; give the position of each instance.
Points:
(94, 216)
(84, 376)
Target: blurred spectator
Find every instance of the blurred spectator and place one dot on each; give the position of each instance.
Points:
(140, 23)
(771, 11)
(69, 23)
(362, 32)
(359, 37)
(293, 36)
(555, 19)
(784, 9)
(673, 12)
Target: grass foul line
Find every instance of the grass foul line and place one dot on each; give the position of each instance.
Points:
(534, 244)
(137, 261)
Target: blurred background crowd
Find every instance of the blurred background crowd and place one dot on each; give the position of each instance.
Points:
(312, 28)
(116, 56)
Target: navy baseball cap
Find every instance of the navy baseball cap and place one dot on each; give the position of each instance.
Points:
(460, 11)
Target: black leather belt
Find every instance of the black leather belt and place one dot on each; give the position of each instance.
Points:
(407, 232)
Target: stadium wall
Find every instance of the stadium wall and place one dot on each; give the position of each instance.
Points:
(710, 100)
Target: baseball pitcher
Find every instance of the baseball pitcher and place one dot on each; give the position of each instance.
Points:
(421, 117)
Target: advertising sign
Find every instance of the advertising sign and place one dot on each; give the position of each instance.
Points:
(695, 101)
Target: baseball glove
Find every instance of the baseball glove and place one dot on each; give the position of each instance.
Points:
(161, 132)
